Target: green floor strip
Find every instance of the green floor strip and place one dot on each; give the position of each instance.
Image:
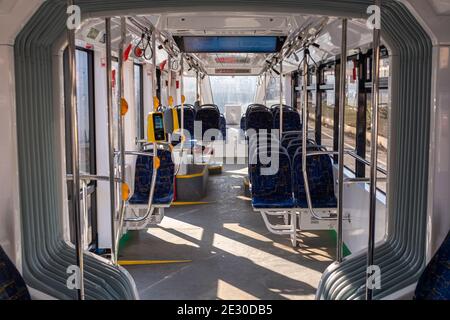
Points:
(347, 251)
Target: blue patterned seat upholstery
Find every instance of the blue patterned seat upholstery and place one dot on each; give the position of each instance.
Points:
(164, 189)
(321, 181)
(189, 118)
(272, 191)
(434, 284)
(12, 285)
(291, 120)
(209, 116)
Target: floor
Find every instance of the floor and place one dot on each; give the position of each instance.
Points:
(233, 256)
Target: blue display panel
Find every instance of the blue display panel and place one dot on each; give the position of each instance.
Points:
(230, 44)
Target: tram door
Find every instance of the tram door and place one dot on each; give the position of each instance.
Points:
(86, 125)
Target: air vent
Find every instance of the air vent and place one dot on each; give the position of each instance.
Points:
(233, 71)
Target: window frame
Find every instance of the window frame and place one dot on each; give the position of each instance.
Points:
(364, 65)
(92, 186)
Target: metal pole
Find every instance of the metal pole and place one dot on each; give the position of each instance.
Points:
(169, 79)
(197, 91)
(265, 89)
(155, 80)
(182, 100)
(121, 119)
(75, 158)
(340, 238)
(374, 154)
(112, 182)
(281, 100)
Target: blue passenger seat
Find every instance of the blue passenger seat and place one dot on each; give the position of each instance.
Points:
(189, 118)
(164, 189)
(209, 116)
(321, 181)
(272, 191)
(434, 284)
(12, 285)
(291, 120)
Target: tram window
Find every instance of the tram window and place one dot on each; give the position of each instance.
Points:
(234, 90)
(351, 109)
(83, 105)
(312, 77)
(328, 108)
(139, 99)
(328, 76)
(190, 89)
(383, 132)
(86, 127)
(273, 92)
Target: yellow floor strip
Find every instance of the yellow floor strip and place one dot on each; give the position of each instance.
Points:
(190, 203)
(151, 262)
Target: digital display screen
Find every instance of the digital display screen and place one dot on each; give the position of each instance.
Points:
(158, 123)
(230, 44)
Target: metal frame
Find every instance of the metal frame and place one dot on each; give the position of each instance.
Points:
(75, 159)
(373, 155)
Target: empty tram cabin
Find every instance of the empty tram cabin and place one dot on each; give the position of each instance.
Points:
(225, 150)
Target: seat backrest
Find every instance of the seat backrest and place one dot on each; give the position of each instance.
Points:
(259, 119)
(320, 178)
(12, 285)
(209, 116)
(189, 118)
(164, 188)
(254, 107)
(272, 191)
(291, 120)
(434, 284)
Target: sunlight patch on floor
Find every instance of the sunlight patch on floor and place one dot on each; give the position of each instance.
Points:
(267, 260)
(235, 227)
(226, 291)
(191, 230)
(170, 238)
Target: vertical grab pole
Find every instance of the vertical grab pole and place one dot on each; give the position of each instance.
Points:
(265, 89)
(342, 80)
(197, 91)
(281, 100)
(182, 99)
(75, 159)
(373, 155)
(121, 119)
(112, 182)
(169, 79)
(154, 80)
(305, 128)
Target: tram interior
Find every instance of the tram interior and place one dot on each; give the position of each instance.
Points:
(220, 155)
(218, 247)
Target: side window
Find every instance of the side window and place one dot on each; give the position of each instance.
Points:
(139, 100)
(86, 139)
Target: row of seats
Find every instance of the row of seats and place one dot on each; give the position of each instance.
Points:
(210, 117)
(259, 117)
(286, 188)
(164, 188)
